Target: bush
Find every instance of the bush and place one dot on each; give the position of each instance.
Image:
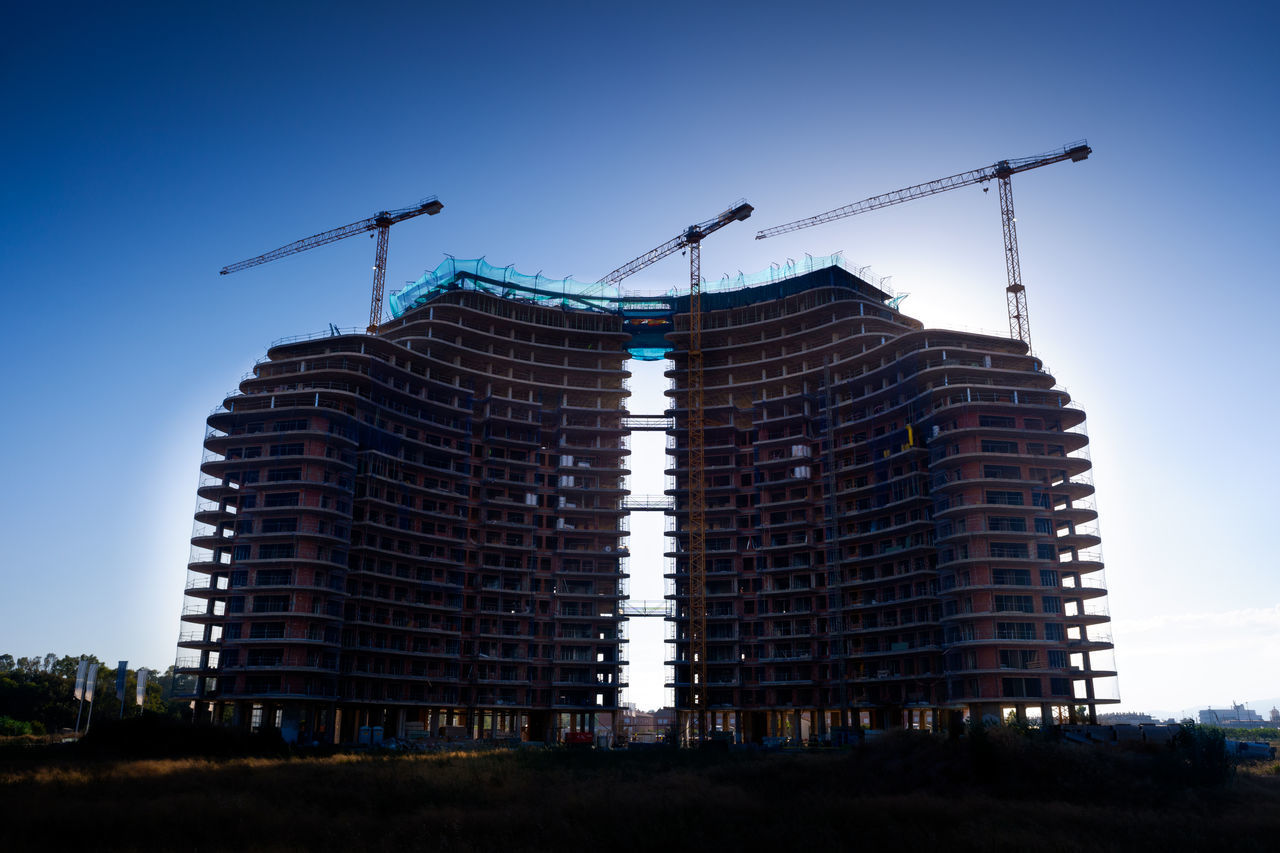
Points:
(10, 727)
(159, 736)
(1259, 734)
(1203, 751)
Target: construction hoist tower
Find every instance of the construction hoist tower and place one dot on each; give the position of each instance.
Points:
(691, 239)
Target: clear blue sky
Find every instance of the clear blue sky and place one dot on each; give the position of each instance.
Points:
(147, 145)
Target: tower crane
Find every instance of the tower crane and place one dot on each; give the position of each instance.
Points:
(691, 239)
(1001, 172)
(380, 222)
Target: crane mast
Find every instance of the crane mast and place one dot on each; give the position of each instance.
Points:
(1001, 172)
(380, 222)
(692, 239)
(698, 699)
(1015, 294)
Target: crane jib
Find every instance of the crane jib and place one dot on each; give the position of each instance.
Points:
(380, 221)
(1002, 171)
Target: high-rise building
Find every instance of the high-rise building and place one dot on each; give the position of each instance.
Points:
(425, 528)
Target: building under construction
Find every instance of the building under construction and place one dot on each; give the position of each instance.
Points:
(425, 528)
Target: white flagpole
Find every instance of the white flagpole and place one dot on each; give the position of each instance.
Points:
(81, 671)
(141, 692)
(91, 681)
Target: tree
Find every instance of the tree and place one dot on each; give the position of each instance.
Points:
(29, 665)
(40, 691)
(66, 667)
(28, 694)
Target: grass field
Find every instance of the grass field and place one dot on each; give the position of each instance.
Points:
(999, 792)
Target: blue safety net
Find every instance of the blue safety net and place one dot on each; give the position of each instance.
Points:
(479, 274)
(648, 317)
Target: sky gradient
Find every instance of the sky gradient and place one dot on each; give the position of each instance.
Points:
(147, 146)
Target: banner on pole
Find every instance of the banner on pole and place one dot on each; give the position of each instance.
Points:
(122, 678)
(141, 692)
(91, 681)
(81, 671)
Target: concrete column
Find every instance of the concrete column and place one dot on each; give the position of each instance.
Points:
(290, 723)
(976, 711)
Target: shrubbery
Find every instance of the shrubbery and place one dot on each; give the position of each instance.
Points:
(1263, 733)
(158, 736)
(997, 789)
(1204, 752)
(10, 727)
(39, 691)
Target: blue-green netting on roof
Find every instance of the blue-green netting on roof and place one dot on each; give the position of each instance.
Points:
(478, 274)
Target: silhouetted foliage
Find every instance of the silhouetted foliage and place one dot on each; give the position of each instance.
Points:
(1204, 754)
(10, 727)
(1261, 733)
(901, 790)
(159, 736)
(39, 691)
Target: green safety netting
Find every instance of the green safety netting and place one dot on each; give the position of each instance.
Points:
(791, 269)
(478, 274)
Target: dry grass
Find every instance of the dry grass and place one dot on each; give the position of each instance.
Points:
(1003, 795)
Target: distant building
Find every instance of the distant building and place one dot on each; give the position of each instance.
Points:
(1236, 715)
(1132, 719)
(652, 726)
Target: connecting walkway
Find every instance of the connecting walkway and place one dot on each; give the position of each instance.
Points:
(648, 609)
(654, 423)
(647, 503)
(635, 608)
